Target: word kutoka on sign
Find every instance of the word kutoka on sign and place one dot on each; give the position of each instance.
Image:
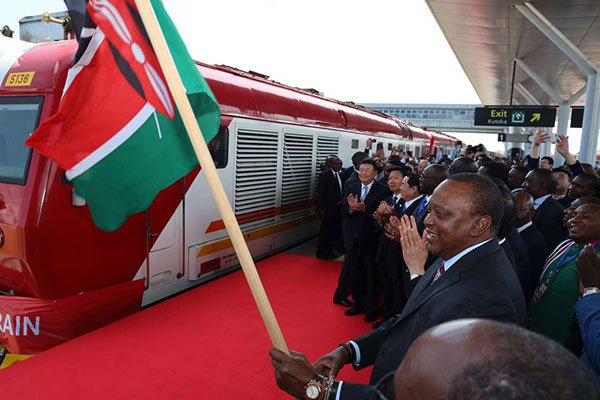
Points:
(515, 116)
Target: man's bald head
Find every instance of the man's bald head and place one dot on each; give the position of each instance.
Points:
(463, 164)
(481, 359)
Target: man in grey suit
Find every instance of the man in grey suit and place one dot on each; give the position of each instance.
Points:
(471, 279)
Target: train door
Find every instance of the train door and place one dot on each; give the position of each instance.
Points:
(165, 261)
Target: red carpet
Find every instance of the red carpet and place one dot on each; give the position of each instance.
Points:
(208, 343)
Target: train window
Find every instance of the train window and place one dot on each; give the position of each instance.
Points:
(19, 116)
(389, 146)
(354, 144)
(218, 147)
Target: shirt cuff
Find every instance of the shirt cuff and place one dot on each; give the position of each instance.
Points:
(357, 352)
(588, 294)
(339, 391)
(414, 276)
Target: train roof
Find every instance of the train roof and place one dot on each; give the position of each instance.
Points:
(239, 93)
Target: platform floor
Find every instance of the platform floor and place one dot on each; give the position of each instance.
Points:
(206, 343)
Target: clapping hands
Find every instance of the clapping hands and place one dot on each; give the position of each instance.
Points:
(414, 246)
(355, 203)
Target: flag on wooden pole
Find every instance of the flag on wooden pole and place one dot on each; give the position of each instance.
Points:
(117, 132)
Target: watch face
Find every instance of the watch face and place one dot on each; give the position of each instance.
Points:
(312, 391)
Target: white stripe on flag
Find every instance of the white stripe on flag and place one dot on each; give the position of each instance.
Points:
(112, 15)
(119, 138)
(85, 59)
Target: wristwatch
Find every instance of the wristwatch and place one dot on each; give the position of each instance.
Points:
(590, 290)
(313, 389)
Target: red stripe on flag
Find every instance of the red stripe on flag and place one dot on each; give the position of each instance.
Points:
(97, 105)
(115, 19)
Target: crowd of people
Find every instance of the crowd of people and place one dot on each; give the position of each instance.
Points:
(507, 252)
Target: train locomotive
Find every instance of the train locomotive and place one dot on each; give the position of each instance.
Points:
(60, 276)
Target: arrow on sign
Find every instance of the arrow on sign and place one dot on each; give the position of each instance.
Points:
(536, 117)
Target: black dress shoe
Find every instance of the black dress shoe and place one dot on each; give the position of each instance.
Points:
(371, 316)
(376, 325)
(354, 311)
(344, 302)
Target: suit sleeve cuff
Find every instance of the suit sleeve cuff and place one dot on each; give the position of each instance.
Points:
(356, 362)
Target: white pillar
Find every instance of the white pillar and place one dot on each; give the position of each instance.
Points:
(591, 116)
(562, 127)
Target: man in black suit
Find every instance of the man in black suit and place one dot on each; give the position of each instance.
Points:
(361, 199)
(344, 286)
(350, 174)
(389, 253)
(431, 177)
(329, 201)
(540, 183)
(534, 242)
(471, 279)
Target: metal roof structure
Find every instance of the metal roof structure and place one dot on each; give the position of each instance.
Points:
(555, 43)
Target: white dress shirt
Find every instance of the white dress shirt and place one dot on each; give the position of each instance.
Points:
(525, 226)
(540, 200)
(410, 202)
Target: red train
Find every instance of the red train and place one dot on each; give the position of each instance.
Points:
(60, 276)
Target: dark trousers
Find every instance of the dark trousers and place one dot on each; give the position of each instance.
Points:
(390, 270)
(366, 286)
(330, 235)
(344, 287)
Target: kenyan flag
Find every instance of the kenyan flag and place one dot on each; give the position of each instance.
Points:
(117, 132)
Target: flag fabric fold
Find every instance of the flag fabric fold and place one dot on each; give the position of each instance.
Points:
(116, 132)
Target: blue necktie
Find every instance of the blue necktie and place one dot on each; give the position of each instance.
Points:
(363, 193)
(422, 207)
(394, 201)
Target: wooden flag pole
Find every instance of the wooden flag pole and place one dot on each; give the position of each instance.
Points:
(210, 171)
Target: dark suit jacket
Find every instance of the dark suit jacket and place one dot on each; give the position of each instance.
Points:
(538, 252)
(522, 259)
(350, 178)
(548, 219)
(329, 195)
(481, 284)
(359, 227)
(388, 249)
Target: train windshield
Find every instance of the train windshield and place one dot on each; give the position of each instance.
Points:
(19, 116)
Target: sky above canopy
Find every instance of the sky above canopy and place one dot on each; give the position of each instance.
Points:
(388, 51)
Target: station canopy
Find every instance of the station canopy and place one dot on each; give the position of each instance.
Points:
(487, 35)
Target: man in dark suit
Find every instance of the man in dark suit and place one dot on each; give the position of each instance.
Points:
(540, 184)
(344, 286)
(431, 177)
(329, 201)
(471, 279)
(534, 242)
(389, 253)
(412, 199)
(361, 199)
(350, 174)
